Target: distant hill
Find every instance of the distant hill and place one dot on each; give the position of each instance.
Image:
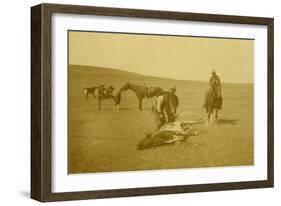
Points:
(85, 72)
(103, 71)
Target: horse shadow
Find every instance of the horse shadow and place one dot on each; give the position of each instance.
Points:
(228, 121)
(149, 109)
(124, 108)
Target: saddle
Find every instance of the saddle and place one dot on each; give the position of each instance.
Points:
(213, 98)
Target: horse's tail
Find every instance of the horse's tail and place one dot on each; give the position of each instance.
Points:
(86, 92)
(118, 98)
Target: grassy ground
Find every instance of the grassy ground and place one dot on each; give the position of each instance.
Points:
(105, 141)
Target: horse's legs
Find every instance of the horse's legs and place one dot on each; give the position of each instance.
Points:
(94, 93)
(216, 114)
(212, 114)
(208, 118)
(86, 94)
(140, 103)
(211, 117)
(99, 103)
(117, 100)
(116, 105)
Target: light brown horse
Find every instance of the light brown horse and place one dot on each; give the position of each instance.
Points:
(170, 133)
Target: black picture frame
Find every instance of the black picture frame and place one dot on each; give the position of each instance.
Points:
(41, 115)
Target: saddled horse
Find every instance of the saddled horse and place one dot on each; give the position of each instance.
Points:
(91, 91)
(152, 91)
(108, 93)
(142, 91)
(212, 103)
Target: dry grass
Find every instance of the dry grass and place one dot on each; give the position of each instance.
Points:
(105, 141)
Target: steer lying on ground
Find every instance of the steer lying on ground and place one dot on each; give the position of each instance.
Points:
(172, 132)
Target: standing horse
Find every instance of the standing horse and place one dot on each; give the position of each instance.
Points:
(142, 91)
(212, 103)
(108, 93)
(90, 90)
(153, 91)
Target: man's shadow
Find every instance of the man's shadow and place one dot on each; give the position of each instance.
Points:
(228, 121)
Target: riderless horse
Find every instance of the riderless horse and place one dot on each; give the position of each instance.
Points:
(108, 93)
(91, 91)
(142, 91)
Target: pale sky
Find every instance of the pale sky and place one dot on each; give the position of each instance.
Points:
(185, 58)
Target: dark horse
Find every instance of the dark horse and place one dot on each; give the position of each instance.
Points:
(90, 90)
(109, 93)
(213, 102)
(142, 91)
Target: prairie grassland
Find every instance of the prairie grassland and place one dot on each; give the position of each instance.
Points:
(105, 141)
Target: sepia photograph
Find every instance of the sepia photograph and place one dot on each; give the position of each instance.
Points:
(153, 101)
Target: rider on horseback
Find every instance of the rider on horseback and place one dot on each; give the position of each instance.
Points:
(213, 94)
(215, 83)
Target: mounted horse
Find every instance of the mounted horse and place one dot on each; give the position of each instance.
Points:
(142, 91)
(212, 103)
(108, 93)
